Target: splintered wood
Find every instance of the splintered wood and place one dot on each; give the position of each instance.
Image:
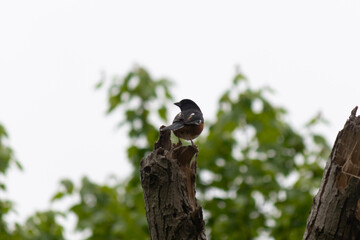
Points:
(168, 180)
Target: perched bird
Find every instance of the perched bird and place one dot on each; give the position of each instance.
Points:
(189, 123)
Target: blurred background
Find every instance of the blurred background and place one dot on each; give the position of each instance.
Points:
(65, 65)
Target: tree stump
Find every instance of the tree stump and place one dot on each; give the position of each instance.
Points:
(335, 213)
(168, 180)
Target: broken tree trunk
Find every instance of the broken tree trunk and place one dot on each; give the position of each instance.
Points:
(335, 213)
(168, 182)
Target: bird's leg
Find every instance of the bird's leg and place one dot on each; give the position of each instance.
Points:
(179, 143)
(197, 150)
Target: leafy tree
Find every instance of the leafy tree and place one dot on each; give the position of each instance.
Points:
(257, 174)
(6, 159)
(41, 226)
(118, 211)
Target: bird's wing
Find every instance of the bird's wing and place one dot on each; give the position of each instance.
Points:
(193, 117)
(185, 118)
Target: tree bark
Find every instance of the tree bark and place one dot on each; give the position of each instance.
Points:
(335, 213)
(168, 182)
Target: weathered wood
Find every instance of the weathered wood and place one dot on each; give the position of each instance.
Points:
(335, 213)
(168, 182)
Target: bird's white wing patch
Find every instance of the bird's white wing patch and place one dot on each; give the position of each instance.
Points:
(190, 116)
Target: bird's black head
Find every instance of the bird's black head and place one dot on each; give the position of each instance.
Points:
(186, 104)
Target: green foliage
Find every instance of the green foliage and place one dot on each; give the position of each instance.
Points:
(108, 211)
(257, 174)
(118, 211)
(6, 159)
(5, 207)
(6, 155)
(136, 97)
(41, 226)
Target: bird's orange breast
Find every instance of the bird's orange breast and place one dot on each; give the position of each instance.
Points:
(189, 132)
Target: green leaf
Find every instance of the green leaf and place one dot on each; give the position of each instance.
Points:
(162, 113)
(57, 196)
(238, 78)
(68, 184)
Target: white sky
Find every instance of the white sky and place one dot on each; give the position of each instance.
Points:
(52, 53)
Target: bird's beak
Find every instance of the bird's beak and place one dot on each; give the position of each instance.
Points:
(177, 104)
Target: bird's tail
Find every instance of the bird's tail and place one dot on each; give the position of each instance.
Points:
(173, 127)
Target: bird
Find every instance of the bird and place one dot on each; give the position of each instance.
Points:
(189, 123)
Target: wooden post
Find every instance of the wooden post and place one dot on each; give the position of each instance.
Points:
(335, 213)
(168, 182)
